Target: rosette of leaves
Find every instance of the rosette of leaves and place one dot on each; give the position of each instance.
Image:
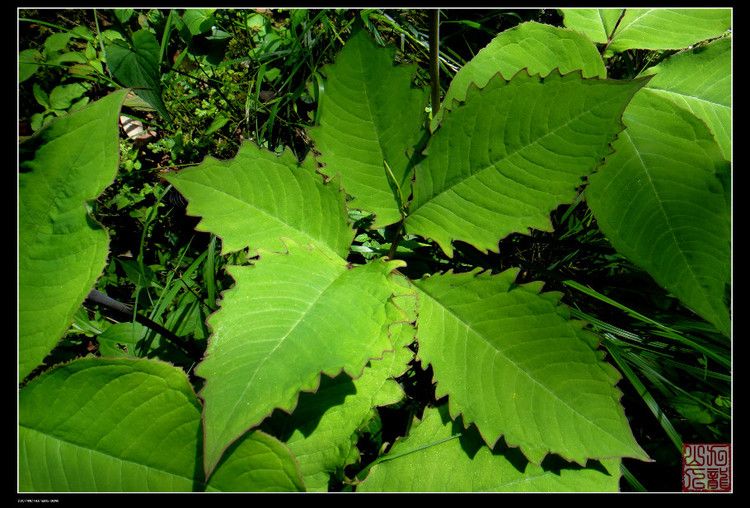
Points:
(509, 357)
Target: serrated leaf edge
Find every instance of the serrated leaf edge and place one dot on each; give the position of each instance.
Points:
(455, 412)
(473, 89)
(311, 385)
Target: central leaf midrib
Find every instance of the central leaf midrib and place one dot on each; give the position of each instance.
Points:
(317, 242)
(496, 164)
(373, 117)
(623, 28)
(607, 37)
(665, 216)
(281, 340)
(518, 368)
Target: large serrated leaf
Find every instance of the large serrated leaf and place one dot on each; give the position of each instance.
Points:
(700, 80)
(109, 425)
(660, 200)
(533, 46)
(119, 425)
(441, 456)
(62, 251)
(137, 66)
(648, 28)
(369, 116)
(289, 318)
(513, 363)
(501, 162)
(258, 198)
(321, 429)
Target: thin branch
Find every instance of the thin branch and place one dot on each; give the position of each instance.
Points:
(100, 298)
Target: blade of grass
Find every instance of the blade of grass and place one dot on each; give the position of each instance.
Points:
(605, 326)
(159, 307)
(645, 395)
(175, 287)
(658, 356)
(652, 374)
(632, 480)
(82, 323)
(165, 37)
(591, 292)
(435, 61)
(699, 373)
(665, 331)
(209, 274)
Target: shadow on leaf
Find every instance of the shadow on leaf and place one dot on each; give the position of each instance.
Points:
(310, 408)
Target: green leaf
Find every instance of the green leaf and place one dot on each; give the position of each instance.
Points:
(137, 66)
(321, 430)
(109, 425)
(82, 32)
(62, 96)
(56, 43)
(498, 165)
(28, 63)
(512, 362)
(648, 28)
(39, 120)
(369, 114)
(121, 339)
(660, 203)
(257, 463)
(257, 199)
(62, 251)
(40, 95)
(596, 24)
(700, 80)
(288, 318)
(533, 46)
(111, 35)
(123, 15)
(440, 456)
(198, 21)
(217, 123)
(131, 425)
(79, 104)
(74, 57)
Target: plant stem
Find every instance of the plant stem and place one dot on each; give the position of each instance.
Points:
(101, 42)
(632, 480)
(47, 24)
(434, 59)
(646, 396)
(609, 37)
(396, 239)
